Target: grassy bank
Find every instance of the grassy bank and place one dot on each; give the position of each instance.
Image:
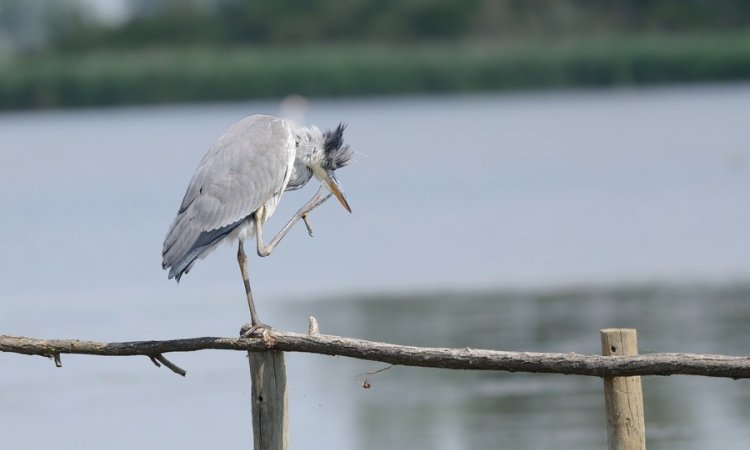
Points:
(207, 74)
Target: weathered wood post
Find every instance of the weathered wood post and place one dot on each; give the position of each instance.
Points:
(269, 400)
(626, 429)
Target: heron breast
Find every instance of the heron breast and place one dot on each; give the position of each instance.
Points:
(244, 231)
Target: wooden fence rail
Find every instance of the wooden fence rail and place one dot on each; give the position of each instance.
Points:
(268, 373)
(448, 358)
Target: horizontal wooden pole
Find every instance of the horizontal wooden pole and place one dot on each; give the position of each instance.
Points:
(447, 358)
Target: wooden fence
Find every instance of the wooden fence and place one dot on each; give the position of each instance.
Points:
(619, 366)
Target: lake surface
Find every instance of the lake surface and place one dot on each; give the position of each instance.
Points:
(515, 222)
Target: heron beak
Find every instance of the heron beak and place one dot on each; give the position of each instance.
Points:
(333, 185)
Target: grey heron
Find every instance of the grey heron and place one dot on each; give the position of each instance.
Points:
(239, 183)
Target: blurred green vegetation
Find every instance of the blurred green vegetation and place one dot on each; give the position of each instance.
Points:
(202, 50)
(294, 22)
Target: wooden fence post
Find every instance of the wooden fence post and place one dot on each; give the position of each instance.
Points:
(269, 400)
(626, 429)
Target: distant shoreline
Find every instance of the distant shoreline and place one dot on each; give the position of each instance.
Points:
(174, 75)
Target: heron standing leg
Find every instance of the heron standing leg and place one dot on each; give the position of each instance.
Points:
(265, 250)
(254, 322)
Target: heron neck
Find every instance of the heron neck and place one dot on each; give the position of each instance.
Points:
(301, 174)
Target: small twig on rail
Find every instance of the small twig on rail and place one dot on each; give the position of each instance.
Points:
(159, 358)
(447, 358)
(313, 328)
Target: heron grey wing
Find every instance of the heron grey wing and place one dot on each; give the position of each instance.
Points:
(205, 242)
(248, 165)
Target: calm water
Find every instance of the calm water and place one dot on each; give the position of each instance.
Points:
(475, 219)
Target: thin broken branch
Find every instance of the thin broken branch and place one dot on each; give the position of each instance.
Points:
(159, 359)
(448, 358)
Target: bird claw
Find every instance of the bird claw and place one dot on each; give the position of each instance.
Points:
(307, 225)
(249, 330)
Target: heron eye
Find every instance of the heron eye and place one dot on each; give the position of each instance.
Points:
(296, 144)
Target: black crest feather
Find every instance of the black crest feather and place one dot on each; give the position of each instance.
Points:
(337, 153)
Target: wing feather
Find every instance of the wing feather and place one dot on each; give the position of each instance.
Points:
(244, 169)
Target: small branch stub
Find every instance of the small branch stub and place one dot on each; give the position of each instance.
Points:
(623, 396)
(313, 328)
(159, 359)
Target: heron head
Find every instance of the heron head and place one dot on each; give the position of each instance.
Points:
(322, 154)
